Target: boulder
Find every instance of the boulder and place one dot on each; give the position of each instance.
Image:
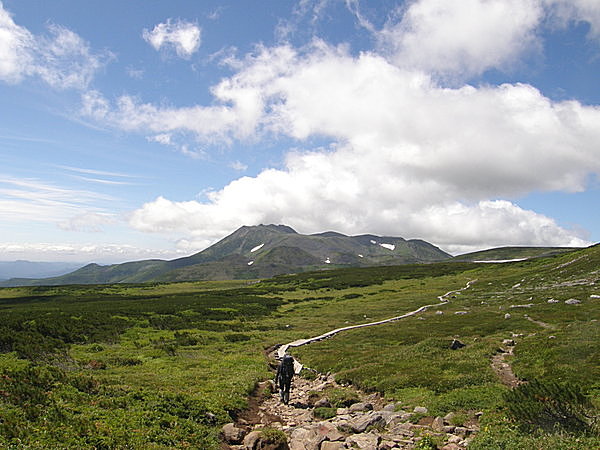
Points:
(251, 440)
(369, 420)
(438, 424)
(332, 445)
(448, 417)
(322, 403)
(422, 409)
(360, 407)
(305, 438)
(455, 345)
(367, 440)
(509, 342)
(572, 301)
(232, 434)
(507, 316)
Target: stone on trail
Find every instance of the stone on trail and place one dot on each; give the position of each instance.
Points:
(332, 445)
(368, 420)
(368, 440)
(360, 407)
(438, 424)
(421, 409)
(251, 440)
(232, 434)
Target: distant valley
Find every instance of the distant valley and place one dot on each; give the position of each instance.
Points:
(35, 269)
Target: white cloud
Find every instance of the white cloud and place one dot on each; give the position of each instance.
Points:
(87, 221)
(81, 252)
(15, 45)
(36, 201)
(409, 153)
(239, 166)
(462, 38)
(183, 37)
(564, 12)
(62, 59)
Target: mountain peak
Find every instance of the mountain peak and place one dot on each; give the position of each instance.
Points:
(271, 227)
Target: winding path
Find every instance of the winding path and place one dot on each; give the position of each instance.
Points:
(281, 351)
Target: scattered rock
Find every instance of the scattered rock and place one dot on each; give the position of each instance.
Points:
(510, 342)
(356, 407)
(332, 445)
(323, 403)
(371, 420)
(251, 439)
(438, 424)
(232, 434)
(528, 305)
(553, 300)
(572, 301)
(421, 409)
(461, 312)
(507, 316)
(448, 417)
(368, 441)
(594, 296)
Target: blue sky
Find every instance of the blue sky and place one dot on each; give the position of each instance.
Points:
(132, 130)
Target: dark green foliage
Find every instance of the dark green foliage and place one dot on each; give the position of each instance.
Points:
(324, 412)
(551, 406)
(273, 436)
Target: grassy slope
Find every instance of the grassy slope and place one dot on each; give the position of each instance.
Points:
(507, 253)
(162, 365)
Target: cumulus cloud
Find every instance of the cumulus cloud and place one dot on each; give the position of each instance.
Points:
(409, 154)
(62, 59)
(181, 36)
(462, 38)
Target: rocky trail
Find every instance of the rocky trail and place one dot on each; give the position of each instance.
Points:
(315, 419)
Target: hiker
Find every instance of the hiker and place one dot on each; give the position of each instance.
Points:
(283, 379)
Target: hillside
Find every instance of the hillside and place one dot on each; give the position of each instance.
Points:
(165, 365)
(501, 254)
(257, 252)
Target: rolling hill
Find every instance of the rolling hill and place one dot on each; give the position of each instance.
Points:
(257, 252)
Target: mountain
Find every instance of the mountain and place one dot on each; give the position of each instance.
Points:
(257, 252)
(31, 269)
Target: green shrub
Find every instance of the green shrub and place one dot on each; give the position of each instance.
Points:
(273, 436)
(341, 397)
(552, 407)
(324, 412)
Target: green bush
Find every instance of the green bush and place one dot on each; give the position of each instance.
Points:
(325, 412)
(273, 436)
(551, 406)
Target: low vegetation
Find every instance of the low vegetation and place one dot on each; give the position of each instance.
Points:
(166, 364)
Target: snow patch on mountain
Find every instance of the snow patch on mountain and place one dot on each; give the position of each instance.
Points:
(258, 247)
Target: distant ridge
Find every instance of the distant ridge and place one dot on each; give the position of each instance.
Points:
(258, 252)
